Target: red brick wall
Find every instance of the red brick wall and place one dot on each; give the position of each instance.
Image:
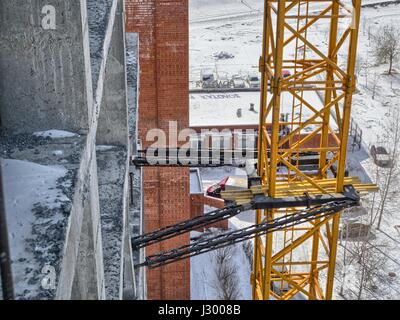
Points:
(164, 96)
(196, 205)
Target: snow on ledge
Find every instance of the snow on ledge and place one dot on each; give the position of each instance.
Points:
(103, 148)
(55, 134)
(32, 202)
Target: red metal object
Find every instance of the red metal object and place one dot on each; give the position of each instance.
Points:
(215, 189)
(286, 73)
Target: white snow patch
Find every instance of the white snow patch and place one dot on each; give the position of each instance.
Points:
(58, 152)
(207, 10)
(203, 278)
(55, 134)
(25, 184)
(101, 148)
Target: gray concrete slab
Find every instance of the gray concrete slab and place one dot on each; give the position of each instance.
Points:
(111, 174)
(38, 219)
(45, 80)
(73, 78)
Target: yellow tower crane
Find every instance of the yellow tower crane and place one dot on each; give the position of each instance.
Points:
(307, 64)
(316, 40)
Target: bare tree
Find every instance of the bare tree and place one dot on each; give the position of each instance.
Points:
(369, 35)
(375, 80)
(227, 284)
(371, 264)
(346, 261)
(359, 66)
(386, 45)
(370, 261)
(248, 251)
(365, 66)
(367, 261)
(363, 25)
(387, 177)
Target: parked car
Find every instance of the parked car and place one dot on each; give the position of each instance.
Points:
(238, 83)
(254, 81)
(207, 75)
(223, 81)
(381, 156)
(286, 73)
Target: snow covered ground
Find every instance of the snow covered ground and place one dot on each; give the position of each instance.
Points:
(238, 34)
(203, 278)
(236, 28)
(209, 10)
(55, 134)
(221, 108)
(34, 207)
(374, 117)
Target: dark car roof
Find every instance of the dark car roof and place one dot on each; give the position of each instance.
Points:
(381, 150)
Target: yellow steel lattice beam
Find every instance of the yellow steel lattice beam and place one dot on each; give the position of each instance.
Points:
(290, 42)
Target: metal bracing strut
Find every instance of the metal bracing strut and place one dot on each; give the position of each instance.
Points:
(258, 202)
(236, 236)
(188, 225)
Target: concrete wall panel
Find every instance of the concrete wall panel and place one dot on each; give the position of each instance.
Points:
(44, 79)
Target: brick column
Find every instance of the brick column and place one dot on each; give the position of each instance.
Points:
(164, 65)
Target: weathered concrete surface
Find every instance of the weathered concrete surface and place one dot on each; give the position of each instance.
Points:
(84, 237)
(45, 80)
(114, 168)
(113, 183)
(136, 214)
(98, 17)
(137, 227)
(48, 86)
(44, 224)
(132, 68)
(51, 88)
(113, 120)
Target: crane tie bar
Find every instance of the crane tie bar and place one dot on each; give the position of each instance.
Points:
(232, 237)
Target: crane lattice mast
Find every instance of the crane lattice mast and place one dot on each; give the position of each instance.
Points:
(301, 260)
